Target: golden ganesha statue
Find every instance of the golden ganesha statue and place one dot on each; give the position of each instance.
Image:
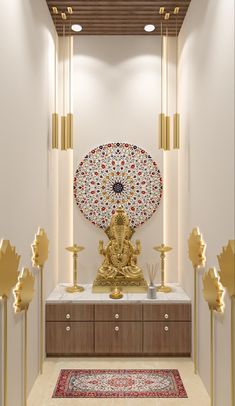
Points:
(119, 267)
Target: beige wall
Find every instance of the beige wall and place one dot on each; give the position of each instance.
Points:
(28, 175)
(116, 95)
(206, 83)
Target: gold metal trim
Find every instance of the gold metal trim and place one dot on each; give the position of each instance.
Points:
(176, 132)
(212, 356)
(167, 16)
(161, 10)
(23, 293)
(70, 10)
(70, 131)
(5, 352)
(176, 10)
(168, 133)
(55, 10)
(227, 276)
(40, 255)
(63, 16)
(64, 133)
(196, 251)
(162, 131)
(55, 124)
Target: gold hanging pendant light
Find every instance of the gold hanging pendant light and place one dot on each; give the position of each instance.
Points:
(168, 119)
(63, 118)
(162, 117)
(176, 121)
(70, 115)
(55, 119)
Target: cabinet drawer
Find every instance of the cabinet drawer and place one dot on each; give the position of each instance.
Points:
(69, 338)
(69, 312)
(119, 312)
(119, 338)
(168, 312)
(167, 338)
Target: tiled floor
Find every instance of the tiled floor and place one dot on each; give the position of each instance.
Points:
(44, 386)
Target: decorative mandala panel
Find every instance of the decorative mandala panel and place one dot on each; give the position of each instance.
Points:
(114, 175)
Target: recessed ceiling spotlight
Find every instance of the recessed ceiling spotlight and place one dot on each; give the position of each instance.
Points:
(149, 27)
(76, 27)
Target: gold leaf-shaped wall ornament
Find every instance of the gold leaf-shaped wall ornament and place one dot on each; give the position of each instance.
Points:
(227, 267)
(213, 290)
(40, 248)
(9, 263)
(196, 248)
(24, 290)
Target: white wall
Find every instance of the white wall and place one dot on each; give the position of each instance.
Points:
(116, 87)
(28, 170)
(206, 83)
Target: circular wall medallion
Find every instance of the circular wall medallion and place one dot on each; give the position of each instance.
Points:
(117, 175)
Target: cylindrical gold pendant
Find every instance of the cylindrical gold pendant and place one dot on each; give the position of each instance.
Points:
(63, 133)
(70, 131)
(176, 141)
(168, 133)
(55, 131)
(162, 131)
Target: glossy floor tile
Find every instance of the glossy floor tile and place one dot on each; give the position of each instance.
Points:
(41, 394)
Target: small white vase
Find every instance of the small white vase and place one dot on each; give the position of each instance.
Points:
(151, 293)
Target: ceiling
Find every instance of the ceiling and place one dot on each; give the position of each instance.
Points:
(117, 17)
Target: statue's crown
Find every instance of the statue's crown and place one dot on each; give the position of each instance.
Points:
(120, 218)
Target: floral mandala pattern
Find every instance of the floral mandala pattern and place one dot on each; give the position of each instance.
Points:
(114, 175)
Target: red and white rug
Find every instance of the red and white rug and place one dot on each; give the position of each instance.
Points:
(119, 383)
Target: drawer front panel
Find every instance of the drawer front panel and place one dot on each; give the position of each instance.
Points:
(167, 312)
(119, 338)
(119, 312)
(167, 338)
(69, 312)
(69, 338)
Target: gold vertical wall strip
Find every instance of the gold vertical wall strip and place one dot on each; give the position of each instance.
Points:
(55, 120)
(232, 352)
(41, 321)
(168, 120)
(70, 115)
(25, 356)
(5, 353)
(212, 356)
(70, 130)
(64, 133)
(195, 321)
(63, 118)
(162, 118)
(176, 122)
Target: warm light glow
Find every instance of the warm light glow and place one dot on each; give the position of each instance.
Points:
(76, 27)
(149, 27)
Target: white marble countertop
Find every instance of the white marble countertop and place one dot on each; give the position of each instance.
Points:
(59, 295)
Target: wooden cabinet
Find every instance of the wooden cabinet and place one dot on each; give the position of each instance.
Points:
(65, 338)
(120, 329)
(118, 338)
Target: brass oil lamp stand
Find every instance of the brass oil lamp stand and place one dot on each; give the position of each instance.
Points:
(75, 249)
(163, 249)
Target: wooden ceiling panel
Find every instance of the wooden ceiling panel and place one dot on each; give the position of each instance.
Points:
(118, 17)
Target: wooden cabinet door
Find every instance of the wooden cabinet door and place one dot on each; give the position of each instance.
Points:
(173, 338)
(119, 312)
(69, 312)
(69, 338)
(168, 312)
(118, 338)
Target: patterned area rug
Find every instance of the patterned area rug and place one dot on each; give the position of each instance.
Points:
(119, 383)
